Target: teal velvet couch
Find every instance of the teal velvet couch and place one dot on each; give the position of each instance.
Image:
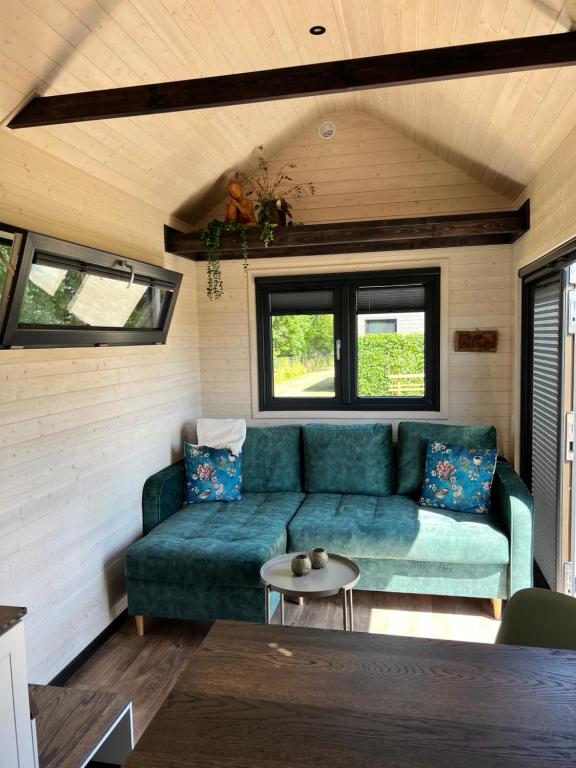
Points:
(346, 488)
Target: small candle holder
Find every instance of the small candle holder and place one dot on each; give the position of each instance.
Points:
(318, 558)
(301, 565)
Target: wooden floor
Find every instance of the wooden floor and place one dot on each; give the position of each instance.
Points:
(147, 667)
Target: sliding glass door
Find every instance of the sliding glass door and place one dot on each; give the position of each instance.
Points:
(547, 419)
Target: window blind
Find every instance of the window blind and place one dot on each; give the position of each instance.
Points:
(391, 298)
(546, 405)
(302, 302)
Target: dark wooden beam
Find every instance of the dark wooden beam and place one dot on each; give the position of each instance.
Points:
(386, 71)
(364, 236)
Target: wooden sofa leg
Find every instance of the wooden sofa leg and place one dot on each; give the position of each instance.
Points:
(139, 620)
(496, 607)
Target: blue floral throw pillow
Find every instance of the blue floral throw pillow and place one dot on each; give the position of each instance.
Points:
(212, 474)
(458, 478)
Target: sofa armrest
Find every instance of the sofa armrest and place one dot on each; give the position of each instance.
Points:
(163, 495)
(513, 506)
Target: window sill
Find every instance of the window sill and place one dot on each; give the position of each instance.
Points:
(352, 415)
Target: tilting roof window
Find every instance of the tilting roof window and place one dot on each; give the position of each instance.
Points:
(67, 295)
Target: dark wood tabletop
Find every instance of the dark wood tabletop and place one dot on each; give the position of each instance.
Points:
(259, 696)
(10, 615)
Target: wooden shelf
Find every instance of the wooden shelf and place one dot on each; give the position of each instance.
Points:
(494, 228)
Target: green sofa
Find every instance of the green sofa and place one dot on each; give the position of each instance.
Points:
(344, 487)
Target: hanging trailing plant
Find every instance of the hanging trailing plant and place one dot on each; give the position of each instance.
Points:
(267, 232)
(211, 236)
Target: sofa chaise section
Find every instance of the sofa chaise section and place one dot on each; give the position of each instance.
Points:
(202, 561)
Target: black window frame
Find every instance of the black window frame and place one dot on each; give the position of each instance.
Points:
(89, 261)
(345, 329)
(17, 236)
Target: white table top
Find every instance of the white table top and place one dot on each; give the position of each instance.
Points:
(339, 574)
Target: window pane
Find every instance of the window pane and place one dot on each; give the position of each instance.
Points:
(64, 297)
(386, 325)
(303, 355)
(391, 355)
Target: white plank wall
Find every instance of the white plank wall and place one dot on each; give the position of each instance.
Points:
(479, 385)
(370, 171)
(81, 429)
(552, 194)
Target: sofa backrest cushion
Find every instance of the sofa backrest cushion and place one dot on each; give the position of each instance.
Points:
(413, 437)
(272, 459)
(348, 458)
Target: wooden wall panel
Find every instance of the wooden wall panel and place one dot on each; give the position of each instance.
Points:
(81, 429)
(478, 387)
(552, 195)
(369, 171)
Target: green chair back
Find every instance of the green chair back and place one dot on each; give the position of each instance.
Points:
(539, 618)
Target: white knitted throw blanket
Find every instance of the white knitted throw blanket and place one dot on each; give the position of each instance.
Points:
(221, 433)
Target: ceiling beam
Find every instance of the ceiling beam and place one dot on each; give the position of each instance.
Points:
(496, 57)
(453, 230)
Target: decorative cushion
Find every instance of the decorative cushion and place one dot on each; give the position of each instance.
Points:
(413, 437)
(348, 458)
(458, 478)
(212, 474)
(272, 460)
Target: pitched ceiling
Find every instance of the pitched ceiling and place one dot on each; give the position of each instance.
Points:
(499, 129)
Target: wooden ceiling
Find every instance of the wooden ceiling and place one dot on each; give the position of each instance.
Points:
(500, 129)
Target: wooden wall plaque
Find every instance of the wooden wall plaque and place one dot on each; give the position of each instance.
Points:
(476, 341)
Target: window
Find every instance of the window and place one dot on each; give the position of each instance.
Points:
(383, 325)
(350, 342)
(69, 295)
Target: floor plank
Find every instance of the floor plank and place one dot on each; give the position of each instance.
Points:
(146, 668)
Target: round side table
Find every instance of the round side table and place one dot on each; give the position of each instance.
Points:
(339, 577)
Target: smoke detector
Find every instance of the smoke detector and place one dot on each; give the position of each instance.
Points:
(327, 130)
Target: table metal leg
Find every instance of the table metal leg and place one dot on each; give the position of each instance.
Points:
(281, 609)
(351, 619)
(267, 599)
(345, 609)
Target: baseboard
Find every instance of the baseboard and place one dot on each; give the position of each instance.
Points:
(64, 675)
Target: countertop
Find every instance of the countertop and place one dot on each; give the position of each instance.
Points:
(9, 615)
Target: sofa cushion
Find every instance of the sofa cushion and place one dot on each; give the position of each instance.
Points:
(395, 527)
(413, 437)
(348, 458)
(272, 460)
(215, 543)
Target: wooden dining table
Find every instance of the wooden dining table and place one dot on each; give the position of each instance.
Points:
(256, 696)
